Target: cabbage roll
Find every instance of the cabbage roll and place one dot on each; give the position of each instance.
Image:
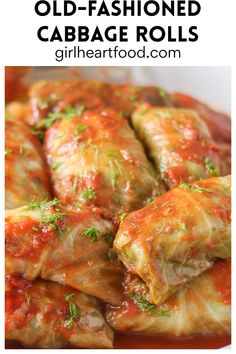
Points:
(26, 177)
(43, 314)
(177, 236)
(74, 249)
(219, 123)
(201, 307)
(179, 143)
(50, 97)
(95, 160)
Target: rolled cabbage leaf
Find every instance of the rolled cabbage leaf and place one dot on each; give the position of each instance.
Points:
(177, 236)
(44, 314)
(201, 307)
(179, 143)
(73, 249)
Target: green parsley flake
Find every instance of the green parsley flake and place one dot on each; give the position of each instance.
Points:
(192, 188)
(8, 152)
(88, 194)
(81, 127)
(74, 313)
(182, 225)
(211, 168)
(147, 306)
(91, 233)
(69, 113)
(56, 165)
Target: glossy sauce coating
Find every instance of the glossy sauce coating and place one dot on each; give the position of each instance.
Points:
(95, 160)
(55, 96)
(48, 315)
(26, 176)
(200, 307)
(70, 248)
(218, 123)
(177, 236)
(179, 143)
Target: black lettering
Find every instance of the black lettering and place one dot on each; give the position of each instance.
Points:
(141, 33)
(69, 34)
(115, 6)
(83, 34)
(103, 10)
(153, 35)
(41, 12)
(194, 37)
(56, 36)
(97, 35)
(146, 8)
(55, 13)
(191, 8)
(39, 33)
(67, 10)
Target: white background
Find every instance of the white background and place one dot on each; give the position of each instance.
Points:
(20, 46)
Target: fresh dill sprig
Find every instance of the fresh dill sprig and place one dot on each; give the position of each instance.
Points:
(91, 233)
(88, 194)
(74, 312)
(147, 306)
(211, 167)
(69, 113)
(192, 188)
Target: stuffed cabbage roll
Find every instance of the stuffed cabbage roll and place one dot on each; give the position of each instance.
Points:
(50, 97)
(179, 143)
(177, 236)
(95, 160)
(202, 306)
(49, 315)
(218, 122)
(26, 177)
(74, 249)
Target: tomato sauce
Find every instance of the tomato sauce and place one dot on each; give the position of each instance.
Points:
(137, 341)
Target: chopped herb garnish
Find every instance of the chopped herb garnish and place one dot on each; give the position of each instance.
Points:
(81, 128)
(91, 233)
(211, 168)
(35, 229)
(51, 220)
(43, 205)
(69, 296)
(88, 194)
(69, 113)
(8, 151)
(56, 165)
(145, 305)
(74, 313)
(192, 188)
(182, 225)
